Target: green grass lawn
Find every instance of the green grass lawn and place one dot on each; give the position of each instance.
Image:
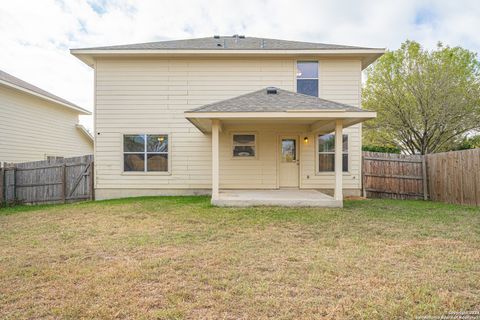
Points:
(180, 258)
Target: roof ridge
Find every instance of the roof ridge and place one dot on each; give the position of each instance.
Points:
(139, 43)
(240, 43)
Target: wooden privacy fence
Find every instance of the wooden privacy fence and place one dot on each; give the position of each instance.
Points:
(396, 176)
(57, 180)
(454, 177)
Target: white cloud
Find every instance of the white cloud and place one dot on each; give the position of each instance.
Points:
(35, 35)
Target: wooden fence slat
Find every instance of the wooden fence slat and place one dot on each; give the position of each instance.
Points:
(38, 184)
(14, 184)
(364, 192)
(92, 181)
(392, 159)
(395, 192)
(2, 183)
(53, 166)
(424, 179)
(64, 183)
(394, 176)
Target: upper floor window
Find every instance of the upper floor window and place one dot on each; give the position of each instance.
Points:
(145, 152)
(307, 77)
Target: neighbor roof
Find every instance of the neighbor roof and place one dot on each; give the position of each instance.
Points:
(16, 83)
(85, 131)
(281, 101)
(228, 43)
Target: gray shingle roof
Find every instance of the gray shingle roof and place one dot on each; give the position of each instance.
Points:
(282, 101)
(228, 43)
(8, 78)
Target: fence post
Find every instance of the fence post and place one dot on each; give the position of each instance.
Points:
(92, 180)
(424, 177)
(64, 182)
(2, 183)
(14, 183)
(364, 192)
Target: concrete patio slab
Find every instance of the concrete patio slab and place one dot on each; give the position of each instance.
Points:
(280, 197)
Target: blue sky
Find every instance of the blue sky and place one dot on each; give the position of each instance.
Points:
(425, 16)
(35, 35)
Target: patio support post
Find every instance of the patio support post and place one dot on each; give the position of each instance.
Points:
(338, 160)
(215, 158)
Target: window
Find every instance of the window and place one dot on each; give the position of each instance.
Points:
(307, 77)
(145, 153)
(326, 153)
(244, 145)
(289, 150)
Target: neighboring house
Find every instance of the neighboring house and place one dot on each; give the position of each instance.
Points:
(35, 124)
(219, 114)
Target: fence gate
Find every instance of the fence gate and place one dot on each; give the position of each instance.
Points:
(395, 176)
(56, 180)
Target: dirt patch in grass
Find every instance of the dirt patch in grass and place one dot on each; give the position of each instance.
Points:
(355, 198)
(180, 258)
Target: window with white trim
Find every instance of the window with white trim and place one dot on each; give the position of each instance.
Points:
(326, 153)
(307, 77)
(145, 153)
(244, 145)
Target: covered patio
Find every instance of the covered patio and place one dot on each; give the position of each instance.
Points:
(280, 109)
(279, 197)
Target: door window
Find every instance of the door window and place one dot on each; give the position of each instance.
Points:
(289, 150)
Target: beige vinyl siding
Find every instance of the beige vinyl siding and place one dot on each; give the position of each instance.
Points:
(150, 96)
(32, 129)
(340, 80)
(259, 172)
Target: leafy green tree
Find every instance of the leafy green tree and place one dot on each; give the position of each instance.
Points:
(469, 143)
(426, 101)
(382, 149)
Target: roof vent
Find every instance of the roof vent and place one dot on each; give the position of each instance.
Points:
(219, 44)
(241, 36)
(271, 90)
(216, 36)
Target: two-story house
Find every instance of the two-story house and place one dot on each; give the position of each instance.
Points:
(248, 120)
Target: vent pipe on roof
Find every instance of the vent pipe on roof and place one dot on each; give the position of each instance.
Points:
(216, 36)
(241, 36)
(271, 90)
